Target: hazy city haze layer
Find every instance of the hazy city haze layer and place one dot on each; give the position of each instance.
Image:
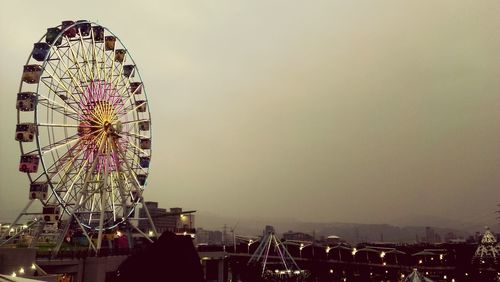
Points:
(354, 111)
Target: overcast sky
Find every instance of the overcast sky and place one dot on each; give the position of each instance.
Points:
(355, 111)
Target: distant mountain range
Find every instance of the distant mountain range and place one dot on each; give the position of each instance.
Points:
(408, 229)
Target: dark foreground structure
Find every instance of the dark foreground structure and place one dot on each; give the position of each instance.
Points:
(170, 258)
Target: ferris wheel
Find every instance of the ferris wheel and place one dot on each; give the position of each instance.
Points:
(84, 129)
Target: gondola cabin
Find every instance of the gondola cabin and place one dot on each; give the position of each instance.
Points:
(51, 213)
(26, 101)
(141, 178)
(83, 27)
(98, 32)
(136, 87)
(144, 161)
(144, 125)
(39, 190)
(145, 143)
(40, 51)
(32, 73)
(25, 132)
(109, 42)
(140, 106)
(120, 55)
(128, 70)
(29, 163)
(51, 37)
(69, 28)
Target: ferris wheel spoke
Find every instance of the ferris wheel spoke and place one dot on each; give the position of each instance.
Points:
(111, 197)
(95, 68)
(67, 163)
(59, 165)
(104, 58)
(67, 91)
(103, 210)
(66, 185)
(93, 166)
(118, 76)
(64, 125)
(62, 166)
(134, 135)
(76, 83)
(82, 75)
(67, 109)
(58, 144)
(132, 158)
(134, 181)
(136, 147)
(134, 121)
(121, 186)
(84, 54)
(132, 108)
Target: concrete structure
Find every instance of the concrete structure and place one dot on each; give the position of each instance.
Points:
(87, 269)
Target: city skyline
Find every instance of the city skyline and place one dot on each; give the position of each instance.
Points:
(332, 111)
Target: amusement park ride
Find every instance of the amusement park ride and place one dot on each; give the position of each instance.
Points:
(84, 131)
(282, 268)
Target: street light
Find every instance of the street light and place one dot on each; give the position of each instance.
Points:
(250, 242)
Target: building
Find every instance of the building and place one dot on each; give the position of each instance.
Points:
(431, 236)
(297, 236)
(209, 237)
(176, 220)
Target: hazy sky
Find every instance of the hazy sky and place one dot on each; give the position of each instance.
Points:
(361, 111)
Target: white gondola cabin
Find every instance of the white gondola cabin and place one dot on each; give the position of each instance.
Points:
(26, 101)
(145, 143)
(144, 125)
(32, 73)
(29, 163)
(25, 132)
(51, 213)
(39, 190)
(140, 106)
